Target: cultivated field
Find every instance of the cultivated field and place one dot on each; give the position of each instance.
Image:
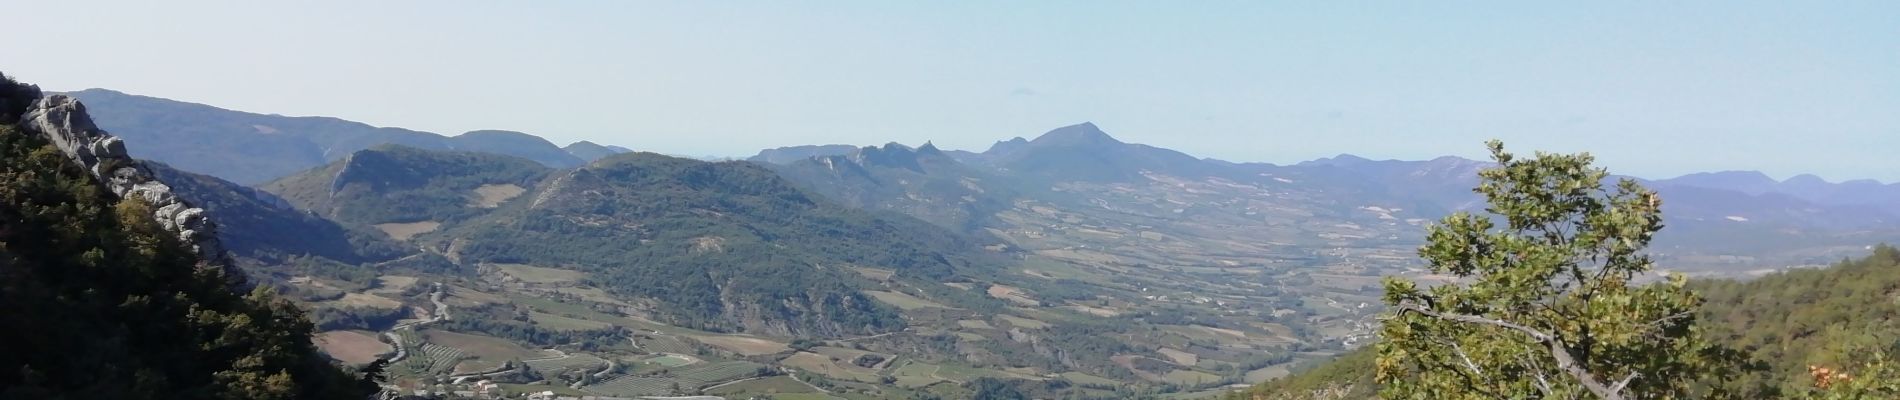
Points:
(903, 301)
(533, 274)
(406, 230)
(743, 345)
(587, 362)
(825, 365)
(487, 352)
(491, 196)
(772, 385)
(352, 347)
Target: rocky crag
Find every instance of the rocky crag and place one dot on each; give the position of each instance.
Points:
(63, 121)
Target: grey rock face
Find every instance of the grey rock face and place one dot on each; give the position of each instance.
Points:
(63, 121)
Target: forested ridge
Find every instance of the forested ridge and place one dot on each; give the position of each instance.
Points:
(101, 303)
(718, 245)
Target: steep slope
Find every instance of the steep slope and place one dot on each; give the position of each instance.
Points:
(104, 302)
(924, 182)
(398, 188)
(250, 148)
(589, 151)
(727, 246)
(261, 226)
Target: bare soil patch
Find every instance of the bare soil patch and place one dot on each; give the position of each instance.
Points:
(351, 347)
(744, 345)
(406, 230)
(1012, 294)
(491, 196)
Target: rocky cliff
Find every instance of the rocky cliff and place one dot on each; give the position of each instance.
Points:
(63, 121)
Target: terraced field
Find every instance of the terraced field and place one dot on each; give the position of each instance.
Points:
(433, 358)
(665, 344)
(772, 385)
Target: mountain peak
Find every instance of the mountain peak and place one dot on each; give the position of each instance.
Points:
(891, 155)
(929, 149)
(589, 151)
(1085, 133)
(1750, 182)
(1806, 179)
(1343, 159)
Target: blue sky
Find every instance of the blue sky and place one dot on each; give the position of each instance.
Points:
(1652, 88)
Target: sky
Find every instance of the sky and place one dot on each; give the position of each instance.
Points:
(1653, 89)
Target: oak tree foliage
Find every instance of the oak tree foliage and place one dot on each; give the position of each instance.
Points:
(1545, 302)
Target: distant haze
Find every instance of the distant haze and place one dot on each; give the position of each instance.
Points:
(1654, 89)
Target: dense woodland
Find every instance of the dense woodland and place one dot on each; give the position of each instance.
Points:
(714, 242)
(102, 304)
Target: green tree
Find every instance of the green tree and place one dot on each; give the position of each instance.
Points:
(1544, 305)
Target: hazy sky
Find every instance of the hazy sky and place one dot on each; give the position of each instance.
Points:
(1653, 88)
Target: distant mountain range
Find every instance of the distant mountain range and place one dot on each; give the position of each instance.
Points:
(1806, 187)
(251, 148)
(1710, 214)
(1069, 253)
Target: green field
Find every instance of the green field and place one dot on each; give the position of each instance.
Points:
(670, 361)
(1086, 379)
(915, 374)
(1187, 377)
(772, 385)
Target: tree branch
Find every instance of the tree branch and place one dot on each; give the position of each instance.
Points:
(1618, 387)
(1467, 359)
(1565, 360)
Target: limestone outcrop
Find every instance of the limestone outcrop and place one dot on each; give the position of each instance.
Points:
(63, 121)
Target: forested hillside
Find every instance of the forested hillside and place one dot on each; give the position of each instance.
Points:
(103, 304)
(1829, 317)
(718, 245)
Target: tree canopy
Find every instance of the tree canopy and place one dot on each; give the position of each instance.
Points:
(101, 303)
(1544, 305)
